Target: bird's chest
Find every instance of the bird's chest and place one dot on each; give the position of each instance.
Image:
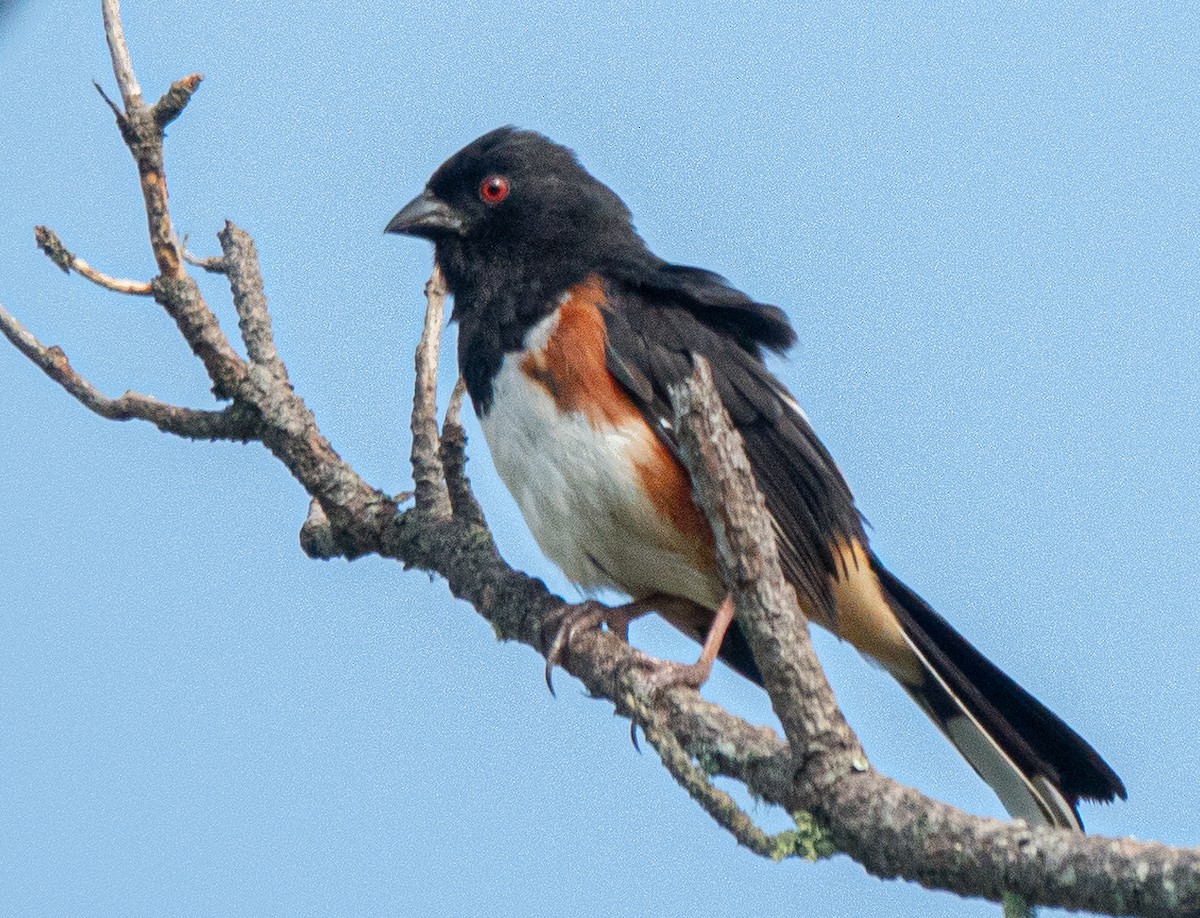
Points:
(577, 485)
(584, 468)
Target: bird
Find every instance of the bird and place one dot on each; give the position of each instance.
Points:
(570, 334)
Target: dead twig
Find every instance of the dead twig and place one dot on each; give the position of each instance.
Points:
(452, 450)
(454, 406)
(428, 475)
(48, 241)
(174, 100)
(118, 50)
(240, 263)
(213, 264)
(236, 422)
(714, 801)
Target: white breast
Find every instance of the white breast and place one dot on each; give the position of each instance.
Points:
(578, 489)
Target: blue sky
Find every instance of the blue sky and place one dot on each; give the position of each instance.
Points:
(983, 224)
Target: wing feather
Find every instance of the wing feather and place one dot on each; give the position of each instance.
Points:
(653, 333)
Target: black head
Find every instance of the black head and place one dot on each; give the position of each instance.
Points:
(516, 221)
(515, 206)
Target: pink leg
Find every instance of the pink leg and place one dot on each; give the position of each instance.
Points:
(693, 675)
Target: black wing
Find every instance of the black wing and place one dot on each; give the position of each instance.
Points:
(654, 328)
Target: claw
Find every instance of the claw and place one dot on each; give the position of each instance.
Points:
(590, 614)
(569, 620)
(633, 727)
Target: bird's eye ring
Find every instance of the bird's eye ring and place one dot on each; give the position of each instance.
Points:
(493, 189)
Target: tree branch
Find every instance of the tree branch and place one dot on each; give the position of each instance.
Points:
(48, 241)
(428, 475)
(118, 50)
(174, 100)
(240, 264)
(453, 452)
(890, 829)
(726, 490)
(718, 804)
(236, 422)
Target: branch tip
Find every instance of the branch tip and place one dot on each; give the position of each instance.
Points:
(316, 535)
(175, 99)
(48, 241)
(117, 113)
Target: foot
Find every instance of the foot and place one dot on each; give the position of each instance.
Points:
(667, 675)
(664, 675)
(568, 620)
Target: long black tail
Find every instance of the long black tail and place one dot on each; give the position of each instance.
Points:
(1029, 753)
(1038, 766)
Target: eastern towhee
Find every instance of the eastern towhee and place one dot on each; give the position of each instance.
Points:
(570, 333)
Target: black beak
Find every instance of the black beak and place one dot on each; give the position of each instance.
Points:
(427, 216)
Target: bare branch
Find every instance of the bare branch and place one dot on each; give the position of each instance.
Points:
(718, 804)
(891, 830)
(453, 453)
(114, 32)
(48, 242)
(236, 422)
(142, 131)
(428, 475)
(452, 450)
(245, 281)
(454, 406)
(196, 322)
(172, 289)
(113, 107)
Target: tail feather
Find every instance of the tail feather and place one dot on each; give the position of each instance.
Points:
(735, 653)
(1037, 765)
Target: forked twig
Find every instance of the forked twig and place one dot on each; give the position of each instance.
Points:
(234, 423)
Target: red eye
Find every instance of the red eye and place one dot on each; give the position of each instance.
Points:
(493, 189)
